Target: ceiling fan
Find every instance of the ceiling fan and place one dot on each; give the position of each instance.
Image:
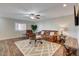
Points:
(34, 16)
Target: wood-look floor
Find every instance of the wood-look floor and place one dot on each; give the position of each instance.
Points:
(8, 48)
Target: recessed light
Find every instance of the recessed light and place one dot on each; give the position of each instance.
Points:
(64, 5)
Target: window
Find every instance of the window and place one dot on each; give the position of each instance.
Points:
(20, 26)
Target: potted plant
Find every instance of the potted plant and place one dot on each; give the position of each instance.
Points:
(34, 28)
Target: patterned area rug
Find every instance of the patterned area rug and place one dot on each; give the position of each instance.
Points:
(38, 49)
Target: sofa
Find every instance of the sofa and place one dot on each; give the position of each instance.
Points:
(49, 35)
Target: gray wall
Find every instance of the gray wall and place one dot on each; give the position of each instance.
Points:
(78, 35)
(7, 28)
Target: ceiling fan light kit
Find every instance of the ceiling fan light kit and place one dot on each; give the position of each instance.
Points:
(33, 16)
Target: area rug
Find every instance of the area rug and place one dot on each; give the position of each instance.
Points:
(44, 49)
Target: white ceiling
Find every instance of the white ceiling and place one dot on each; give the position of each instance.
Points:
(46, 10)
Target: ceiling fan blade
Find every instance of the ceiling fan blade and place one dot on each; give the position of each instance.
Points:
(37, 15)
(78, 12)
(74, 11)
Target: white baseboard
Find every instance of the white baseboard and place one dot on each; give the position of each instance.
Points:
(10, 37)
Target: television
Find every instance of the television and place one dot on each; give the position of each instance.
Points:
(76, 17)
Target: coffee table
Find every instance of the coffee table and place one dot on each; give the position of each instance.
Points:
(35, 39)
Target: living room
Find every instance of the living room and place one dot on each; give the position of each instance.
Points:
(17, 19)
